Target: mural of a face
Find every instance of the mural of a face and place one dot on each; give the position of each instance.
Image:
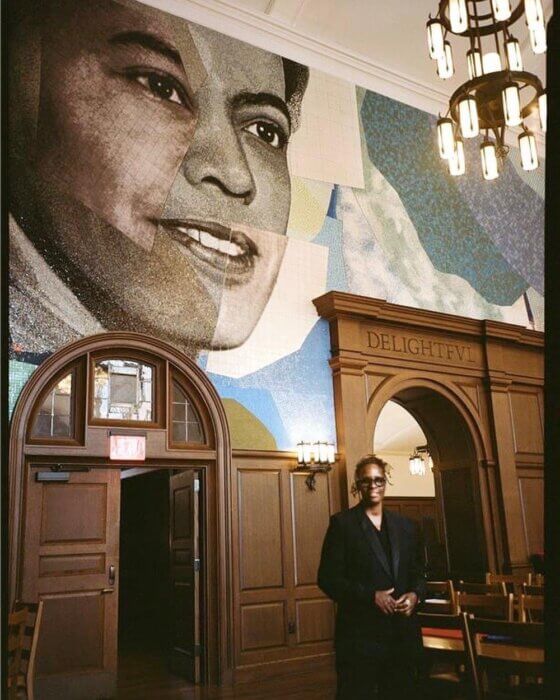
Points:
(160, 181)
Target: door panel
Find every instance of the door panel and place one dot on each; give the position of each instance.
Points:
(183, 536)
(70, 551)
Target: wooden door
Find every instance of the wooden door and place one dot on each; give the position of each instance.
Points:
(185, 574)
(71, 562)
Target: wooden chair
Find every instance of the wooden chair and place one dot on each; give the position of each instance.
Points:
(532, 589)
(481, 588)
(507, 659)
(440, 597)
(23, 634)
(488, 605)
(531, 608)
(446, 656)
(513, 582)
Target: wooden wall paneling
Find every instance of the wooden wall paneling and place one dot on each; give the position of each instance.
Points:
(260, 529)
(531, 489)
(287, 620)
(527, 421)
(313, 612)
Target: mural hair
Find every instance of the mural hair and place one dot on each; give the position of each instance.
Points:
(296, 77)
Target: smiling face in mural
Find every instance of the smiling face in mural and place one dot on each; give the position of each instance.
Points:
(159, 181)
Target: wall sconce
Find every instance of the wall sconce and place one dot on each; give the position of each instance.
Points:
(416, 462)
(316, 457)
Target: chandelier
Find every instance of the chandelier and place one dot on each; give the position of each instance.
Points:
(416, 464)
(498, 93)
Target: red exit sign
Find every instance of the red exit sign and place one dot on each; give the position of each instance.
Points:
(127, 447)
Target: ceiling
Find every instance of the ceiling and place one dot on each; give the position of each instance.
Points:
(386, 34)
(397, 431)
(377, 44)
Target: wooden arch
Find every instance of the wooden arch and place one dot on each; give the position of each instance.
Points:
(219, 566)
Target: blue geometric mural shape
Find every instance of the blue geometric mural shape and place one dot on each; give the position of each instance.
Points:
(407, 157)
(300, 388)
(330, 236)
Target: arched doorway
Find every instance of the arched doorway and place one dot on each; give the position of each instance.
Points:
(100, 409)
(453, 450)
(476, 387)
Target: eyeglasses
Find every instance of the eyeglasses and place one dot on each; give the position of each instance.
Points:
(377, 481)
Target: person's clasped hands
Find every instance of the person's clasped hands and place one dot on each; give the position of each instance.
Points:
(404, 605)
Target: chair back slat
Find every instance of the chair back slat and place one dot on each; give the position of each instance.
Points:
(488, 605)
(508, 652)
(531, 608)
(481, 588)
(513, 582)
(23, 667)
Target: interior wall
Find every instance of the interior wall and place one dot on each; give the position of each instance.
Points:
(404, 484)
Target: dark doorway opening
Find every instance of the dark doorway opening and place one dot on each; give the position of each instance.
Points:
(146, 605)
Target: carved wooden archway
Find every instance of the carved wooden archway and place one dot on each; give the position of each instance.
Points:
(490, 373)
(218, 587)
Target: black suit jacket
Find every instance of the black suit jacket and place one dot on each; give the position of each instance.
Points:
(354, 565)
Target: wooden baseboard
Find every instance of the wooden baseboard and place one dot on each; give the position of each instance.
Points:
(278, 669)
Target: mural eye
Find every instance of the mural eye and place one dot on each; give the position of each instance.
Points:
(268, 132)
(162, 87)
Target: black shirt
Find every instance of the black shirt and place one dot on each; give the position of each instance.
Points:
(383, 535)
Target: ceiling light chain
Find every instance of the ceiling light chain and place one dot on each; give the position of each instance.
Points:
(495, 96)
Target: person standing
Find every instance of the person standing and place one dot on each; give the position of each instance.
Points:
(372, 566)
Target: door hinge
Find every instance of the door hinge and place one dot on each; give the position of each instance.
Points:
(196, 486)
(197, 564)
(197, 649)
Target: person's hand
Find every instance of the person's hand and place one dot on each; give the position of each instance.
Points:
(385, 602)
(406, 604)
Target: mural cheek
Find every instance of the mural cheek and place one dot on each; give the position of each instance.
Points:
(110, 148)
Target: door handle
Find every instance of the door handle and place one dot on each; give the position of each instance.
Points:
(112, 572)
(104, 591)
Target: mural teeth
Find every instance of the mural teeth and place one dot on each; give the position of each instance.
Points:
(194, 233)
(208, 240)
(229, 248)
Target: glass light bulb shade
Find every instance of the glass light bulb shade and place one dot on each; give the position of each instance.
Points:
(458, 16)
(308, 454)
(446, 138)
(511, 104)
(474, 63)
(489, 159)
(322, 452)
(513, 53)
(528, 150)
(468, 117)
(330, 453)
(501, 9)
(538, 39)
(491, 62)
(300, 455)
(542, 111)
(435, 38)
(534, 13)
(445, 67)
(414, 464)
(457, 159)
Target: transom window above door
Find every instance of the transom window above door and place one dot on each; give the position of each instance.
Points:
(123, 390)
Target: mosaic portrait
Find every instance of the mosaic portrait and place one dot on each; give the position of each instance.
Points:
(168, 179)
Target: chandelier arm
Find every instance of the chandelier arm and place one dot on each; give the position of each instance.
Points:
(477, 29)
(485, 30)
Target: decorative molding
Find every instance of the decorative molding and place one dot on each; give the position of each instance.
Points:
(334, 304)
(272, 33)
